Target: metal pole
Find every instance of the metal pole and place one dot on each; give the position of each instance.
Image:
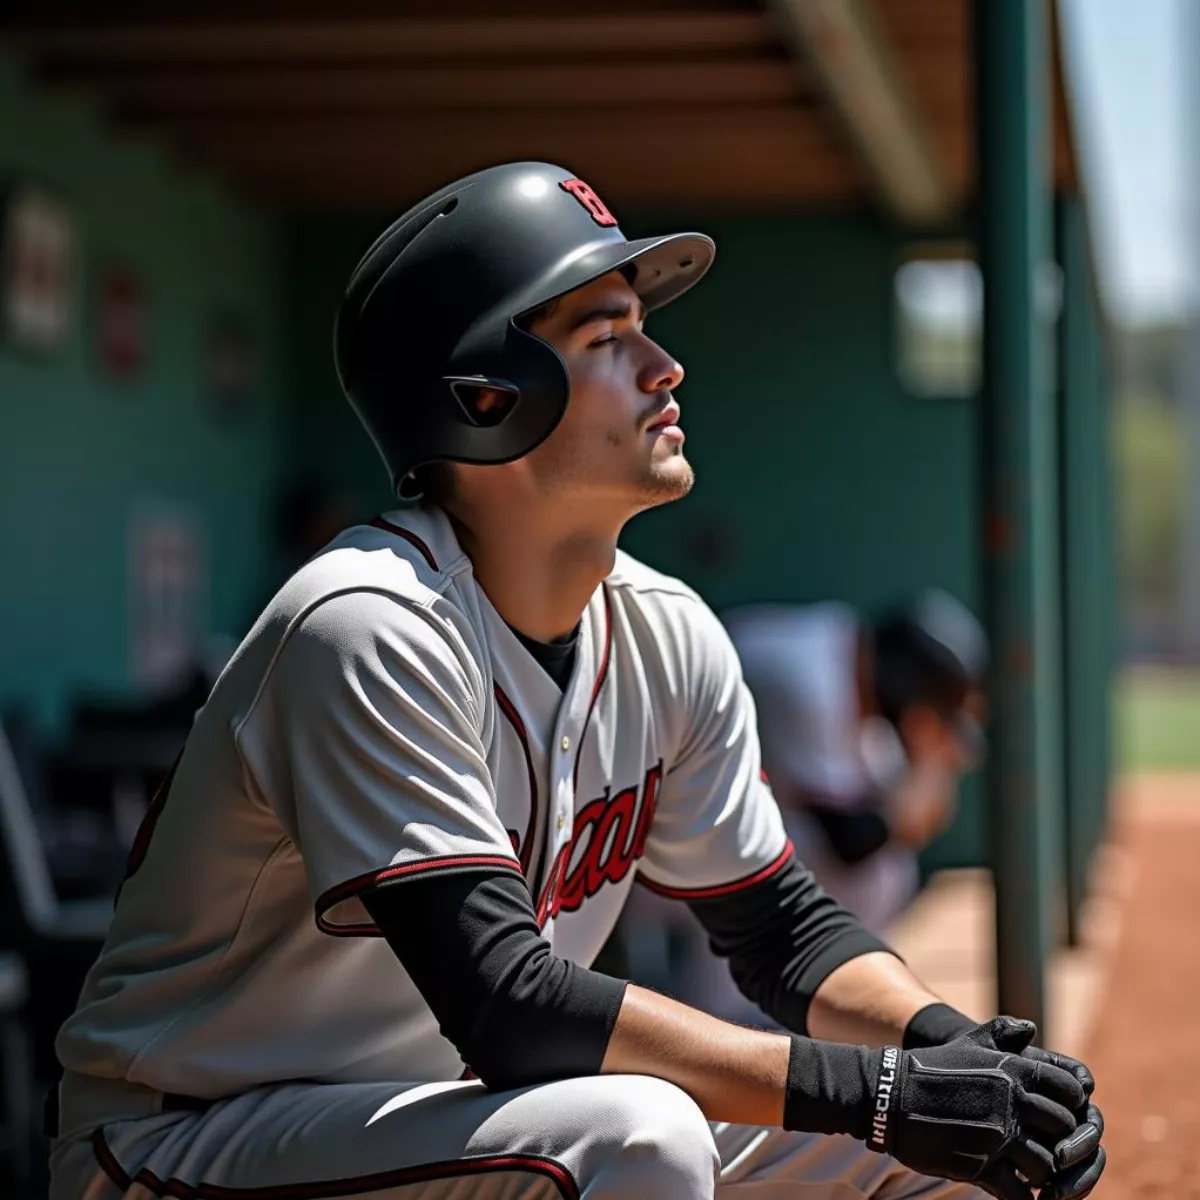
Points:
(1084, 559)
(1019, 489)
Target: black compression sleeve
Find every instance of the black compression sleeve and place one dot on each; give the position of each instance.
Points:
(853, 834)
(783, 937)
(516, 1012)
(829, 1087)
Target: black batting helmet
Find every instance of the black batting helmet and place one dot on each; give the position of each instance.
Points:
(431, 311)
(932, 651)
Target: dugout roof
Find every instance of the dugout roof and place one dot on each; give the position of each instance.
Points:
(366, 104)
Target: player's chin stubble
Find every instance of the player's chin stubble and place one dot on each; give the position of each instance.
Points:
(669, 478)
(569, 466)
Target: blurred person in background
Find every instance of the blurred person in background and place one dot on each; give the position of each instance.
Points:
(867, 729)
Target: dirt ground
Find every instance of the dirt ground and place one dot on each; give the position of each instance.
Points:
(1144, 1043)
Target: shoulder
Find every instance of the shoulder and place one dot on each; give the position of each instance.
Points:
(640, 586)
(661, 605)
(411, 557)
(412, 554)
(392, 594)
(671, 623)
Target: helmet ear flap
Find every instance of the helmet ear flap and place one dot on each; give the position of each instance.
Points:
(484, 402)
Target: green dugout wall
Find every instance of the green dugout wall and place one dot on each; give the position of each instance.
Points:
(80, 454)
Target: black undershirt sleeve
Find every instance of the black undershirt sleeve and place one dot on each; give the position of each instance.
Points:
(783, 937)
(517, 1013)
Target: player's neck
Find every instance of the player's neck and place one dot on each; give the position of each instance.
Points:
(540, 571)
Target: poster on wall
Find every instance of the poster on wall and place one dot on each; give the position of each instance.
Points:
(37, 268)
(168, 588)
(120, 323)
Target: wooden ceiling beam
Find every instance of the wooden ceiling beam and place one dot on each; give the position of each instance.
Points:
(786, 135)
(778, 153)
(391, 187)
(930, 19)
(45, 13)
(278, 90)
(159, 43)
(848, 52)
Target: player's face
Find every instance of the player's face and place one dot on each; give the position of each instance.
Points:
(620, 438)
(956, 741)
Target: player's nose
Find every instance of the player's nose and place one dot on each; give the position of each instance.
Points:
(660, 372)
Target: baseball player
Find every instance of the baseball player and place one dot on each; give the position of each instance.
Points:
(350, 954)
(867, 728)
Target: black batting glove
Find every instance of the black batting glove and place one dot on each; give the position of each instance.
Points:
(976, 1109)
(1079, 1158)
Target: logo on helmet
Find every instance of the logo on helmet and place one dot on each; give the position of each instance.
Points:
(596, 207)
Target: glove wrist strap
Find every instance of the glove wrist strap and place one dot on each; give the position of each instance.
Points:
(884, 1098)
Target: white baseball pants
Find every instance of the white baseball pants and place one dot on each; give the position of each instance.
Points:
(598, 1138)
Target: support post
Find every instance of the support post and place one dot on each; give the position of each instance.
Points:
(1019, 477)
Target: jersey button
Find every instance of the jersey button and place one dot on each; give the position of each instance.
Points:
(566, 743)
(562, 821)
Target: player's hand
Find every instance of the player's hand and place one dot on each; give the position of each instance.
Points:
(1079, 1158)
(976, 1109)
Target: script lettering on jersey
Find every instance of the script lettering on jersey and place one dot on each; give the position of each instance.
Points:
(610, 836)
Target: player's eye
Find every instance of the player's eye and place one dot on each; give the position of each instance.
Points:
(609, 339)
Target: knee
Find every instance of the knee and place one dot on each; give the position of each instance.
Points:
(651, 1139)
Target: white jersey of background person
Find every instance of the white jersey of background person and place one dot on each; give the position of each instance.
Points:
(800, 663)
(648, 764)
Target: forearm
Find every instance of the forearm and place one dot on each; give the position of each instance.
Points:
(784, 937)
(734, 1074)
(867, 1001)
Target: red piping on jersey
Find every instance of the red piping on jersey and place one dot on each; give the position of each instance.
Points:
(601, 675)
(360, 883)
(510, 711)
(411, 538)
(721, 889)
(534, 1164)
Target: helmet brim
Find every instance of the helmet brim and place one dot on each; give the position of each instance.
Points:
(665, 268)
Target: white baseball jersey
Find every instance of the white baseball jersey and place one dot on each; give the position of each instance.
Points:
(800, 666)
(381, 720)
